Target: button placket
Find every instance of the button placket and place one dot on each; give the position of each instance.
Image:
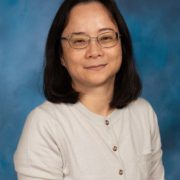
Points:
(114, 148)
(114, 145)
(115, 140)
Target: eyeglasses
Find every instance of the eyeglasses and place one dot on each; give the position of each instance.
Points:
(81, 40)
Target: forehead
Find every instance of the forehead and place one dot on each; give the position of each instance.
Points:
(89, 17)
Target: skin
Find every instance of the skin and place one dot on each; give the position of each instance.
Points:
(94, 68)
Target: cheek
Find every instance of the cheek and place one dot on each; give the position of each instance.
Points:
(117, 57)
(72, 63)
(68, 57)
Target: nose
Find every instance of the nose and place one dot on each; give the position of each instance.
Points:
(94, 50)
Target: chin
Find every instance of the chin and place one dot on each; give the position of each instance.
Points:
(101, 81)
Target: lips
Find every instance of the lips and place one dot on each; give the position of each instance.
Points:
(96, 67)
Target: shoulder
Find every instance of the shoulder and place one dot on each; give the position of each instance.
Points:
(49, 115)
(140, 102)
(47, 109)
(42, 117)
(40, 125)
(141, 112)
(140, 105)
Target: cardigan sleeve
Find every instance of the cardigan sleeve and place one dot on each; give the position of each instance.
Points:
(38, 156)
(24, 177)
(157, 169)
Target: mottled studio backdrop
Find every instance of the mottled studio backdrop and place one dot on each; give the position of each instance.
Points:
(155, 29)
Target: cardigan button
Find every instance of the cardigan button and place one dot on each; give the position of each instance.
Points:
(115, 148)
(107, 122)
(120, 172)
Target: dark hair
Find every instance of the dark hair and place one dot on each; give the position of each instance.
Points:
(57, 81)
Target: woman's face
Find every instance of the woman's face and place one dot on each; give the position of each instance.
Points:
(92, 66)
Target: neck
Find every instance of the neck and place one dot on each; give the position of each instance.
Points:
(97, 100)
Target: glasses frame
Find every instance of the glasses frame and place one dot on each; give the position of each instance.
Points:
(68, 38)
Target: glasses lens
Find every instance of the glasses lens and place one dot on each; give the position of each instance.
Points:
(108, 39)
(79, 41)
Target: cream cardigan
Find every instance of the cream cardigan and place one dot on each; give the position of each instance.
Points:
(69, 142)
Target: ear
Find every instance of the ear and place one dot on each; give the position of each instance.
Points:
(63, 62)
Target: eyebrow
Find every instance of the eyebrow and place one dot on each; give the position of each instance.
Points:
(78, 33)
(105, 29)
(100, 30)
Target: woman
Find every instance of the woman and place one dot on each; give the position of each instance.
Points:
(93, 126)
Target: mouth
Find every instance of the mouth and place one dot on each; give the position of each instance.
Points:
(96, 67)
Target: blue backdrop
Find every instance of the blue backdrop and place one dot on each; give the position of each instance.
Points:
(24, 25)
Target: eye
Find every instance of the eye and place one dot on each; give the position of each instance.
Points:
(106, 38)
(78, 41)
